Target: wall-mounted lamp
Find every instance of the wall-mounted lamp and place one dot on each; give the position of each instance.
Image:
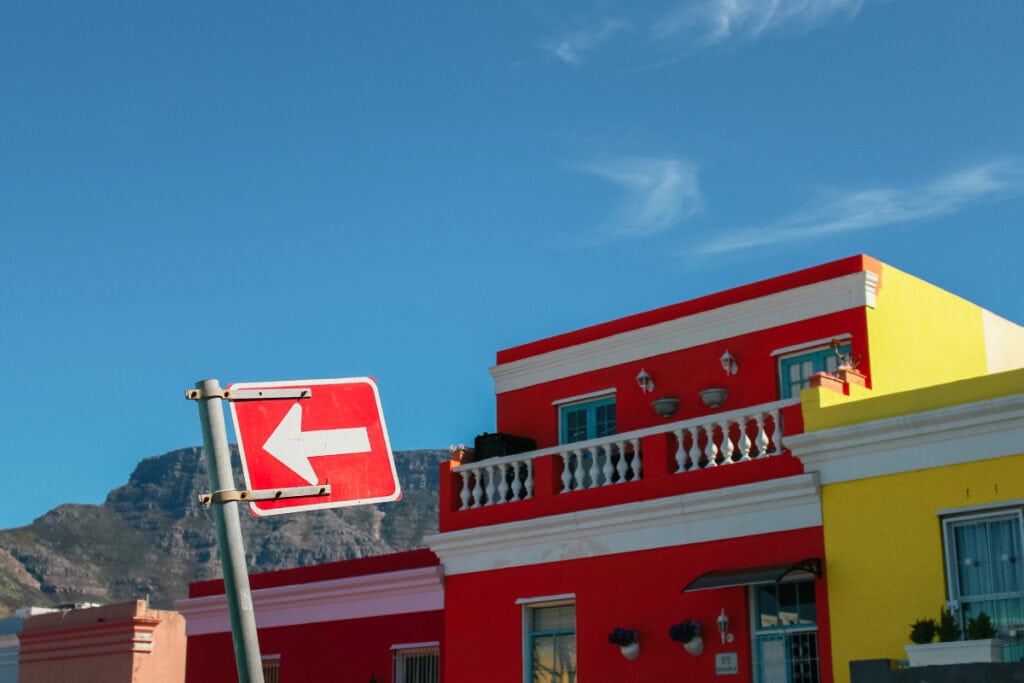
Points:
(645, 381)
(729, 363)
(723, 627)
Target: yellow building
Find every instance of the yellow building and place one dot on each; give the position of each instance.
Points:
(922, 493)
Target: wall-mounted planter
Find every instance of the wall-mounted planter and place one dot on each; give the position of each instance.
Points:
(667, 406)
(631, 651)
(955, 652)
(694, 646)
(714, 397)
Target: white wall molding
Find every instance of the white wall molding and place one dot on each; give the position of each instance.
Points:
(936, 438)
(373, 595)
(792, 305)
(759, 508)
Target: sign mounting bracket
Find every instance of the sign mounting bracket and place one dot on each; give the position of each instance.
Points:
(221, 497)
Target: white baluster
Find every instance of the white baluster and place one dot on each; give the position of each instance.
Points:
(777, 434)
(638, 461)
(595, 468)
(693, 456)
(580, 474)
(478, 489)
(490, 485)
(727, 447)
(464, 493)
(745, 443)
(502, 482)
(680, 454)
(622, 468)
(762, 438)
(607, 470)
(517, 486)
(529, 479)
(566, 471)
(711, 450)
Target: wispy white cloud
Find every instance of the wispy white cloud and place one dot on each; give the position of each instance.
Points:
(875, 208)
(570, 47)
(710, 22)
(657, 193)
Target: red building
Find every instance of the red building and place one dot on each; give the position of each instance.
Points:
(349, 621)
(640, 481)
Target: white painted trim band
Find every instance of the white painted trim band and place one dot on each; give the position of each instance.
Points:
(800, 303)
(399, 592)
(936, 438)
(736, 511)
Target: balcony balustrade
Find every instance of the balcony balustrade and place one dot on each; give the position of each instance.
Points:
(724, 439)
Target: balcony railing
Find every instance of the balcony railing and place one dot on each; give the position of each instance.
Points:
(724, 439)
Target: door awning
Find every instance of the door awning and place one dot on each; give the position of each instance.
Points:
(756, 576)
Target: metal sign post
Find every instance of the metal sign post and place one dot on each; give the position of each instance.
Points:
(208, 394)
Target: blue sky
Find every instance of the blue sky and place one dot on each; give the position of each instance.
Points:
(267, 191)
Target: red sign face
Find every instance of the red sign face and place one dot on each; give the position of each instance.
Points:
(335, 436)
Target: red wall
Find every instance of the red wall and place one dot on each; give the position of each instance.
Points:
(633, 590)
(340, 651)
(683, 374)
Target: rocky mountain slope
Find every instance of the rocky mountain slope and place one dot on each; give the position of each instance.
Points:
(151, 536)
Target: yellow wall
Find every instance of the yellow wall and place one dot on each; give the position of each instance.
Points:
(883, 550)
(919, 335)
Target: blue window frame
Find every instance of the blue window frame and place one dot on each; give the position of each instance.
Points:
(586, 420)
(550, 652)
(795, 371)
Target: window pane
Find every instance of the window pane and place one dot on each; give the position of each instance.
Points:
(605, 422)
(575, 425)
(562, 617)
(808, 610)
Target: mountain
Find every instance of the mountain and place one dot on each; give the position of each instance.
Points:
(151, 536)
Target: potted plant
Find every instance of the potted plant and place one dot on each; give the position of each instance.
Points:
(688, 633)
(628, 641)
(981, 644)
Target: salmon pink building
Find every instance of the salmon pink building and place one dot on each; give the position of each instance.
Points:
(121, 643)
(639, 517)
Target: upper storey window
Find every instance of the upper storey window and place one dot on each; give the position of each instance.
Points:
(587, 419)
(795, 369)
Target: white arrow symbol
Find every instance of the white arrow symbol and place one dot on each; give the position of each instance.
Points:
(294, 447)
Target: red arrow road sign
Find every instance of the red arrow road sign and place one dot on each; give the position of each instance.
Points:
(334, 436)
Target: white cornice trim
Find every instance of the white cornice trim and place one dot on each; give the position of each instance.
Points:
(800, 303)
(936, 438)
(374, 595)
(759, 508)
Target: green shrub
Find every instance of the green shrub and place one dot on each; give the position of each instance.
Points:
(949, 630)
(923, 631)
(980, 627)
